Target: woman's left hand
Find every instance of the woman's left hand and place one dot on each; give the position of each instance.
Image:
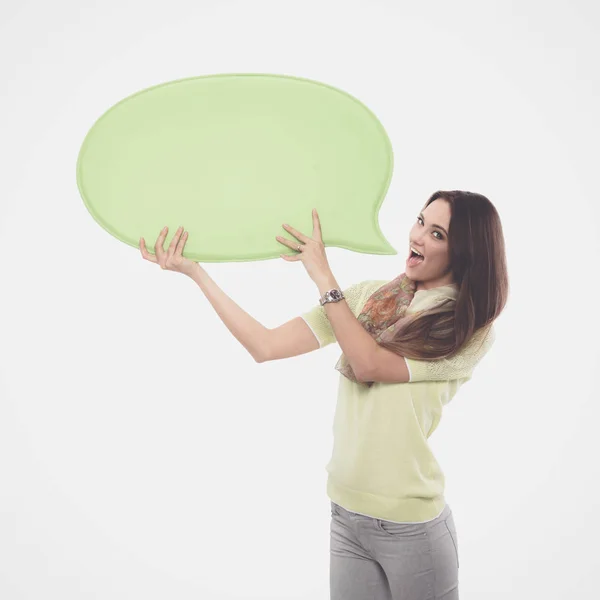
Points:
(312, 250)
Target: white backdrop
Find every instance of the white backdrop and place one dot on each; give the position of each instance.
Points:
(143, 453)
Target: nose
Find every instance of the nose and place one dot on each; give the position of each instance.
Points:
(416, 242)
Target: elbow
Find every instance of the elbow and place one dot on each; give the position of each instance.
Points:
(260, 353)
(259, 358)
(363, 378)
(365, 371)
(364, 374)
(368, 370)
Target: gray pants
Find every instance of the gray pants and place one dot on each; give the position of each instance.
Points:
(373, 559)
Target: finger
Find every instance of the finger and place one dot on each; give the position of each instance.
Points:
(296, 233)
(145, 252)
(316, 227)
(291, 258)
(288, 243)
(174, 241)
(159, 249)
(181, 244)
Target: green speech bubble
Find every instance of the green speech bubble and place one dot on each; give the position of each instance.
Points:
(231, 158)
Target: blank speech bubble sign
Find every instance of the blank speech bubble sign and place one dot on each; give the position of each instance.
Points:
(231, 157)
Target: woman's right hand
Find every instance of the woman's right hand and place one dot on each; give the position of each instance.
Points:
(172, 259)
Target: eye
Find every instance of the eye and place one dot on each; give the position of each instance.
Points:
(439, 238)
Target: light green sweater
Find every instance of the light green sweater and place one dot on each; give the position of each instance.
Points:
(381, 464)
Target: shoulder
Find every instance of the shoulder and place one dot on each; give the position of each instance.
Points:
(458, 366)
(367, 287)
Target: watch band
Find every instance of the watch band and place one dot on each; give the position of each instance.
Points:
(333, 295)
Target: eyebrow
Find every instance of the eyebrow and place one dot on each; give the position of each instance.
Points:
(434, 225)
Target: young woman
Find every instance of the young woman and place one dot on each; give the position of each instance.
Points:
(408, 345)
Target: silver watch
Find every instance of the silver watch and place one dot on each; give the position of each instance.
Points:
(331, 296)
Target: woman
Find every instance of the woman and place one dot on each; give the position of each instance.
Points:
(408, 345)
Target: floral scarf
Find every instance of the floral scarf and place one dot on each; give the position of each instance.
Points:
(384, 315)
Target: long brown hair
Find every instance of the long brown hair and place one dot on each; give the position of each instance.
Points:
(478, 266)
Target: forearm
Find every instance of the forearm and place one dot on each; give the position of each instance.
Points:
(356, 343)
(247, 330)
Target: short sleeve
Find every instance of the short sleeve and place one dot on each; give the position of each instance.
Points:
(317, 318)
(458, 366)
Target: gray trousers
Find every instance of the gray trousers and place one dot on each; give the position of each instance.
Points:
(374, 559)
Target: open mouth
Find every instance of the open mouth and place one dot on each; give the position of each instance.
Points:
(414, 258)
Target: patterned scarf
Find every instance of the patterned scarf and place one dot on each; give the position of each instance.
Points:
(384, 315)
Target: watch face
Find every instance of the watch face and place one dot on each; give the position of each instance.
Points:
(335, 295)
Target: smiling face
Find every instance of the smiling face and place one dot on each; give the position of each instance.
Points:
(429, 236)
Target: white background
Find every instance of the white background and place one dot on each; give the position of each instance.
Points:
(143, 453)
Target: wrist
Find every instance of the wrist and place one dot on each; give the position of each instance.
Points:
(326, 283)
(193, 271)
